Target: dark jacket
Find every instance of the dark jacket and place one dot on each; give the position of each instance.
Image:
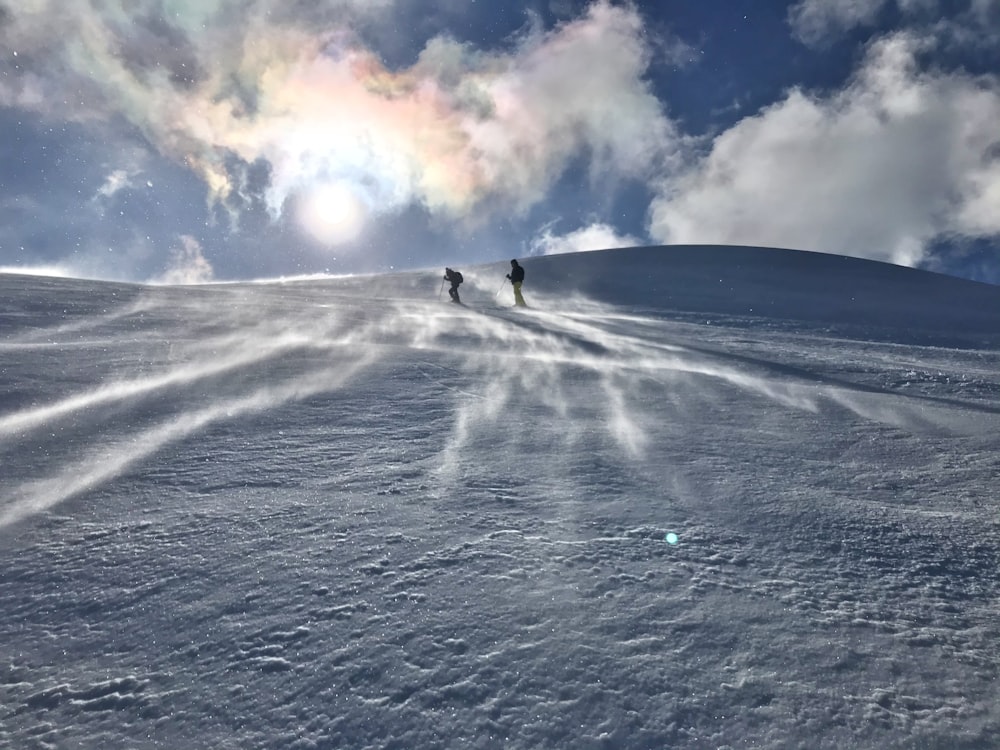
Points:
(516, 272)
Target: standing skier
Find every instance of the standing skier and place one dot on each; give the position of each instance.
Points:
(516, 277)
(454, 278)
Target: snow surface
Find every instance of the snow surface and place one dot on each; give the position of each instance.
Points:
(345, 514)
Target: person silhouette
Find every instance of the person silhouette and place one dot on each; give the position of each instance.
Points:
(454, 278)
(516, 277)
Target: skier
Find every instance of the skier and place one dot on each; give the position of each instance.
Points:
(454, 278)
(516, 277)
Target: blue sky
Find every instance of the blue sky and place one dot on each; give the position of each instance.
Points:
(189, 140)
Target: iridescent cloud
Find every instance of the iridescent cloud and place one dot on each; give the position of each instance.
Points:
(342, 136)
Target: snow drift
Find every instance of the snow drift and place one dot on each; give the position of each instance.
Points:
(692, 497)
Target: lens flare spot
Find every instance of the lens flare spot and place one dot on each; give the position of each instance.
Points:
(332, 214)
(672, 538)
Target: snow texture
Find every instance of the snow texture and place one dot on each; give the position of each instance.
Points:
(345, 514)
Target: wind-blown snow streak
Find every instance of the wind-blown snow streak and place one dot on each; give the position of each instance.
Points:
(538, 367)
(16, 424)
(44, 336)
(553, 351)
(105, 464)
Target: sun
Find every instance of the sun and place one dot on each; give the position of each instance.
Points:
(332, 213)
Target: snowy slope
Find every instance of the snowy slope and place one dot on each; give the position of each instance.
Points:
(345, 514)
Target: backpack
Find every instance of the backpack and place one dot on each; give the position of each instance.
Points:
(456, 277)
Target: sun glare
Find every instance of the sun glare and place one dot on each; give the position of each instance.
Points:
(332, 214)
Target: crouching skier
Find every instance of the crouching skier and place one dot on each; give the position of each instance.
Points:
(454, 278)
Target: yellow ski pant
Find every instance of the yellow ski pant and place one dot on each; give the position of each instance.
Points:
(518, 299)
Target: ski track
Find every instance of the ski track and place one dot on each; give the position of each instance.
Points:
(227, 523)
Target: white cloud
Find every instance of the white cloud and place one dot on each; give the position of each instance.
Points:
(460, 133)
(978, 28)
(119, 179)
(814, 20)
(898, 158)
(969, 23)
(597, 236)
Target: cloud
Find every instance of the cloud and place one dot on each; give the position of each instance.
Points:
(597, 236)
(293, 88)
(119, 179)
(816, 22)
(985, 10)
(978, 28)
(812, 21)
(188, 265)
(900, 157)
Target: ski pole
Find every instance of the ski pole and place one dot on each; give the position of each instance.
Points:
(440, 290)
(502, 284)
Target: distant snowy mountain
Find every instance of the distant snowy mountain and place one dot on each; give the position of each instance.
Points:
(692, 497)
